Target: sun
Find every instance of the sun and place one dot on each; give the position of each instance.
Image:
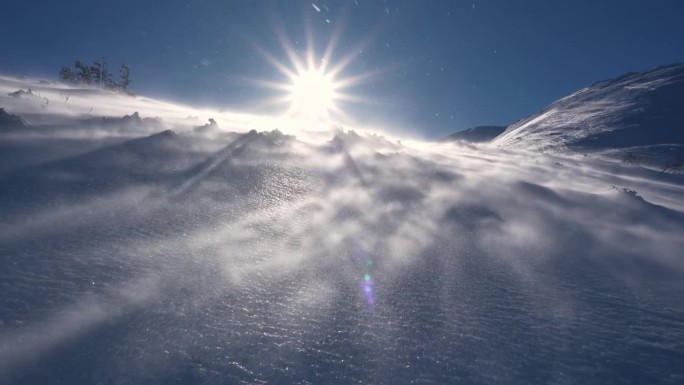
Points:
(312, 95)
(314, 89)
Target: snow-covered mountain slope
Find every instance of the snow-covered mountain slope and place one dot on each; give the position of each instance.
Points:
(195, 256)
(10, 122)
(476, 134)
(633, 112)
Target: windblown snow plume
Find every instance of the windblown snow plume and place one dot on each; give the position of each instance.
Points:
(158, 251)
(634, 115)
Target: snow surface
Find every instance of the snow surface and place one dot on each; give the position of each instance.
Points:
(634, 114)
(136, 254)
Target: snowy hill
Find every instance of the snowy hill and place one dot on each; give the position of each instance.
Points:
(476, 134)
(634, 113)
(9, 122)
(163, 251)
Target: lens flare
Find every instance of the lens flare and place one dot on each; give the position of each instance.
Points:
(367, 284)
(314, 88)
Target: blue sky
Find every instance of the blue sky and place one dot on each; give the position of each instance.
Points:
(432, 67)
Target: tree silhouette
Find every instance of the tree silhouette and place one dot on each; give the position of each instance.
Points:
(98, 74)
(125, 74)
(85, 74)
(68, 75)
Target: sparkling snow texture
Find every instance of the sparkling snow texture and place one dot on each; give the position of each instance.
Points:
(135, 255)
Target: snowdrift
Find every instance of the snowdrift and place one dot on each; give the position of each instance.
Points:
(164, 253)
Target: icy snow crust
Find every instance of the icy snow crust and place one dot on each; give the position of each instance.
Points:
(135, 254)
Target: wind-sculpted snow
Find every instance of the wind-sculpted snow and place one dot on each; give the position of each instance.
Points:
(81, 112)
(166, 250)
(637, 113)
(270, 258)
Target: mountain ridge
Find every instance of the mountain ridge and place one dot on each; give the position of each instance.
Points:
(476, 134)
(631, 110)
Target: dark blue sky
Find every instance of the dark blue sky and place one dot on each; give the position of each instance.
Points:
(437, 65)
